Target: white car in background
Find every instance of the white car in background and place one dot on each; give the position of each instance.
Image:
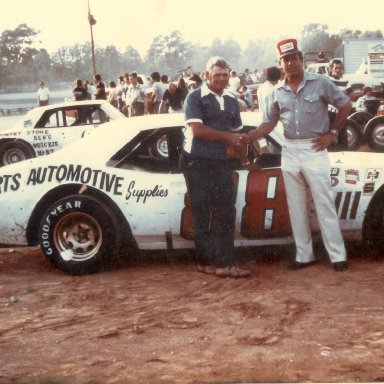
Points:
(45, 130)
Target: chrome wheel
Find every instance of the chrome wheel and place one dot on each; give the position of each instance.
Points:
(80, 234)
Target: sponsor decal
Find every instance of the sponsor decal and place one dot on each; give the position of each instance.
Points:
(334, 181)
(352, 176)
(368, 189)
(76, 173)
(334, 171)
(10, 134)
(287, 47)
(42, 141)
(347, 204)
(373, 174)
(144, 193)
(9, 182)
(83, 175)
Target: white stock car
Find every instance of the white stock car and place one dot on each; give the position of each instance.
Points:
(44, 130)
(120, 188)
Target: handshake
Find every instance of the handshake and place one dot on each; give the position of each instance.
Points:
(240, 142)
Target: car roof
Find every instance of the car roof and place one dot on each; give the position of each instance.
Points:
(108, 138)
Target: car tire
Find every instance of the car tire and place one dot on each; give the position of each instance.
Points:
(374, 133)
(361, 118)
(79, 235)
(355, 135)
(373, 226)
(15, 151)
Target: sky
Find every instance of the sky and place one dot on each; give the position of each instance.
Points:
(137, 23)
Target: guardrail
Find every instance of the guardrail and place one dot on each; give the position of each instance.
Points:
(14, 111)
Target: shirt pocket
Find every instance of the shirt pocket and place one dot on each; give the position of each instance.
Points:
(312, 103)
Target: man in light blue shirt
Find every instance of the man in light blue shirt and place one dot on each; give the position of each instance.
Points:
(300, 102)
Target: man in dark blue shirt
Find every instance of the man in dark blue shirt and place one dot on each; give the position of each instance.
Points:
(212, 116)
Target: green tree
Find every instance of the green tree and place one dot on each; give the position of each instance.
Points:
(17, 46)
(169, 54)
(132, 61)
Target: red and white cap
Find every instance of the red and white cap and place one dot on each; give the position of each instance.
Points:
(287, 47)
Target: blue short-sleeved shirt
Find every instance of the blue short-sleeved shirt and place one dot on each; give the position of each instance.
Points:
(217, 112)
(304, 114)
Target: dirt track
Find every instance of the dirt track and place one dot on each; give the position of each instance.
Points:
(162, 322)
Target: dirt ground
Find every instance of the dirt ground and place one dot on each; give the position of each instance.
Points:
(160, 321)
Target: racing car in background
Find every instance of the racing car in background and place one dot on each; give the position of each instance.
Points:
(83, 208)
(45, 130)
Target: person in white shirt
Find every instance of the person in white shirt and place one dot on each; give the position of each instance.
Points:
(367, 102)
(273, 76)
(265, 89)
(42, 95)
(135, 97)
(234, 82)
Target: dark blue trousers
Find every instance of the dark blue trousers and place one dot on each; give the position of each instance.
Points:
(212, 194)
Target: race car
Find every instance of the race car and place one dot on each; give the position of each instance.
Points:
(120, 189)
(44, 130)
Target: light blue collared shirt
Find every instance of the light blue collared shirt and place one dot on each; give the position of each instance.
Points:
(304, 114)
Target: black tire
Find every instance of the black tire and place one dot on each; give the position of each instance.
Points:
(83, 228)
(354, 135)
(15, 151)
(373, 226)
(374, 133)
(361, 118)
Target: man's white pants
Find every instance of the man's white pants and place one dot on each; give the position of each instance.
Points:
(307, 172)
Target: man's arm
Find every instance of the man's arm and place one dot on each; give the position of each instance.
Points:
(161, 106)
(261, 131)
(203, 132)
(322, 142)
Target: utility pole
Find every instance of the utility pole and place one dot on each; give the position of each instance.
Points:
(92, 22)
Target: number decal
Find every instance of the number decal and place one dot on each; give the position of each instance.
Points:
(346, 206)
(187, 229)
(266, 212)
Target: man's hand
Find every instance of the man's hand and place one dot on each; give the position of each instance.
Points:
(323, 142)
(239, 139)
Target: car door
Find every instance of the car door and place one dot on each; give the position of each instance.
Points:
(59, 127)
(154, 187)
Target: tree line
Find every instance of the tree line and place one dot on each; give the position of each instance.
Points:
(22, 64)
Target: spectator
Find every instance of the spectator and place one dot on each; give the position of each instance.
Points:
(124, 90)
(90, 89)
(367, 102)
(273, 75)
(172, 100)
(157, 92)
(305, 162)
(336, 71)
(234, 82)
(100, 93)
(120, 103)
(255, 76)
(247, 76)
(79, 92)
(183, 86)
(42, 95)
(113, 94)
(195, 81)
(246, 95)
(135, 96)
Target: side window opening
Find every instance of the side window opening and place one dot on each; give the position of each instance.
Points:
(155, 150)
